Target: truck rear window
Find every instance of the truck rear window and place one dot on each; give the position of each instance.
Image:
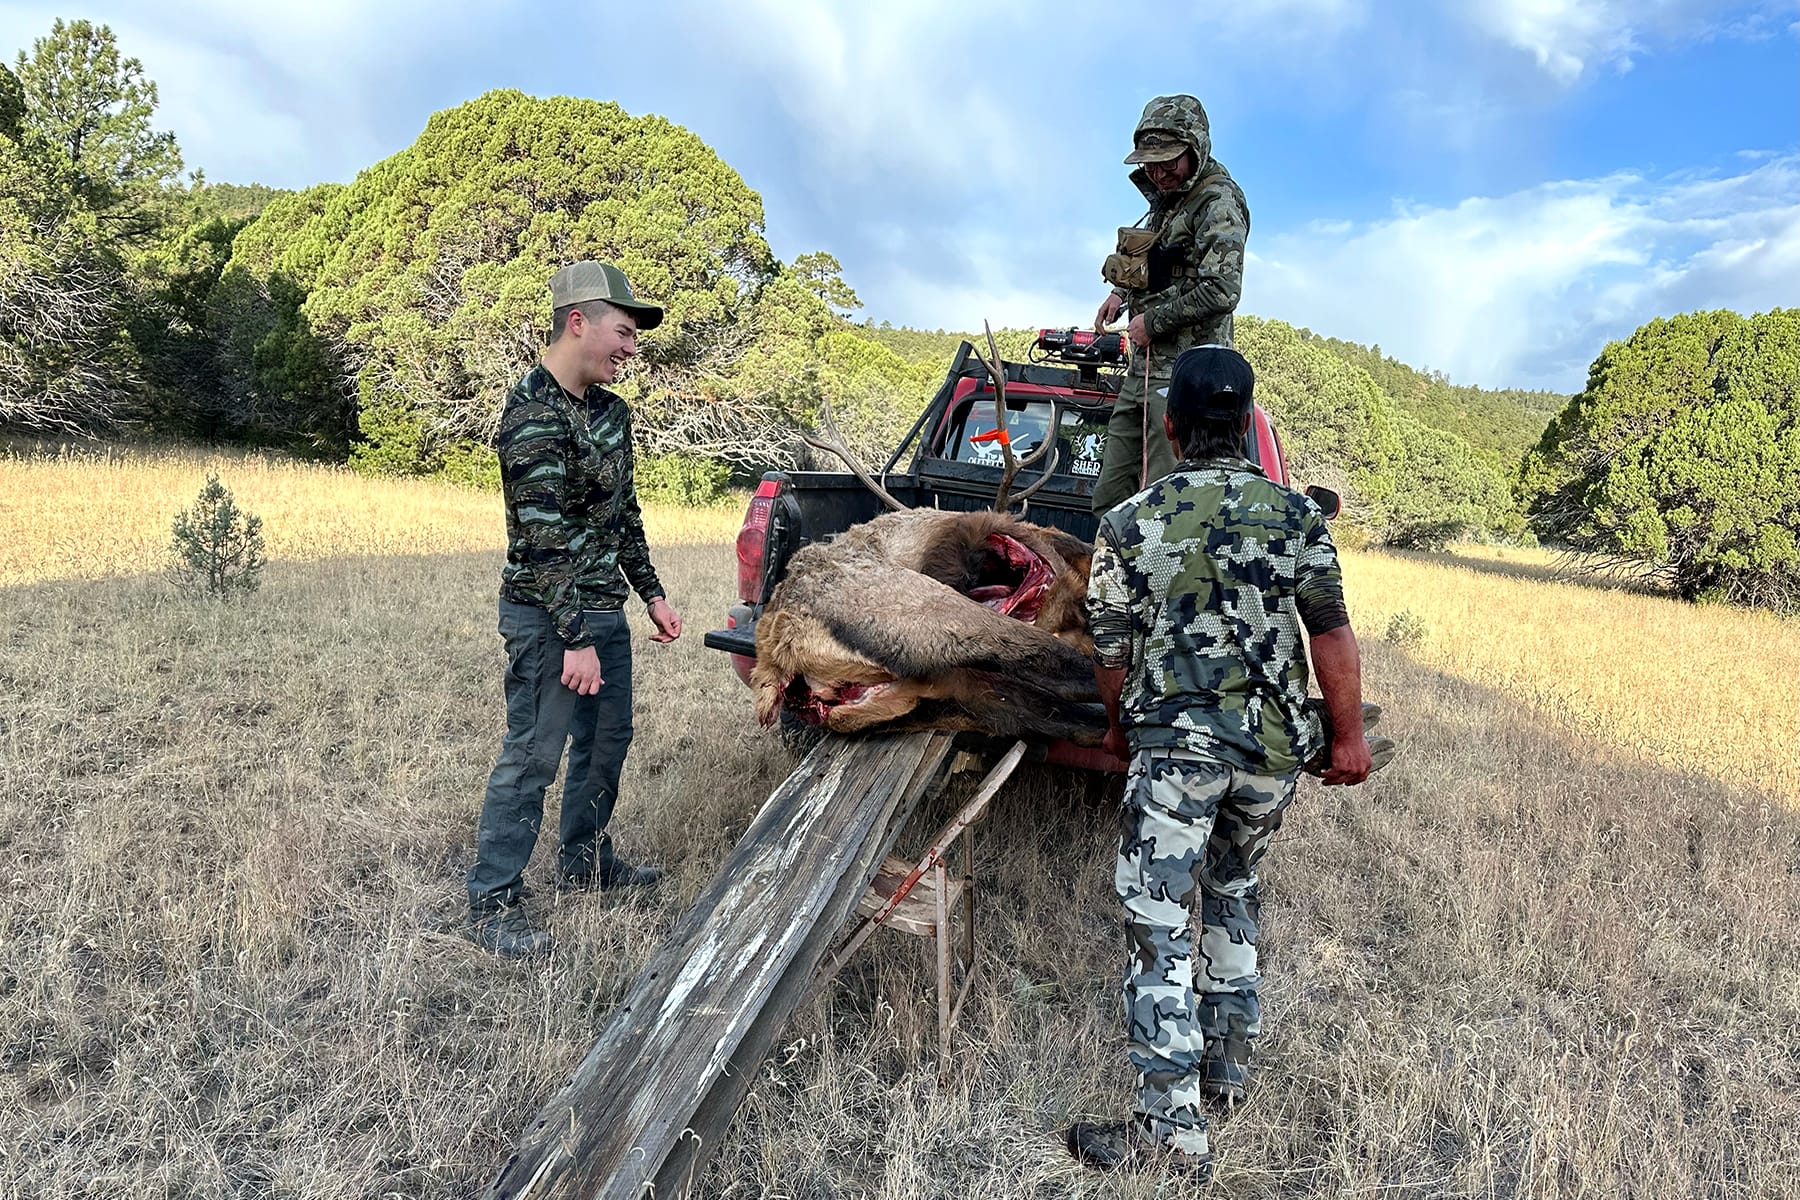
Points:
(1081, 435)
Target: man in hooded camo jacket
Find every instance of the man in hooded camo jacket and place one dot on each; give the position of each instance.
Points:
(1185, 287)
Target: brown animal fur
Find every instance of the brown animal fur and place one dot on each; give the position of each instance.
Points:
(883, 606)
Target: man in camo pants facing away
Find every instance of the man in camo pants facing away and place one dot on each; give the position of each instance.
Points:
(1200, 586)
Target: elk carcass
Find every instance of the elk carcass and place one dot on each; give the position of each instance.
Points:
(930, 619)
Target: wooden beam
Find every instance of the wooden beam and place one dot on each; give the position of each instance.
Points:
(652, 1099)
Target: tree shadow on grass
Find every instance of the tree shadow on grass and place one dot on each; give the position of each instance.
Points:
(1567, 569)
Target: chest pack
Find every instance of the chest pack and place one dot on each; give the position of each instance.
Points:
(1138, 264)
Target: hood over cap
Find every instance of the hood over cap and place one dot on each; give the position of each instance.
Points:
(1169, 125)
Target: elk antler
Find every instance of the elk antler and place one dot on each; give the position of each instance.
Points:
(996, 370)
(833, 443)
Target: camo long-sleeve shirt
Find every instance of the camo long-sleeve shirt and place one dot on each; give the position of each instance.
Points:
(574, 532)
(1199, 588)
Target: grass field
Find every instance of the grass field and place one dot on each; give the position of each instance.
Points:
(1554, 950)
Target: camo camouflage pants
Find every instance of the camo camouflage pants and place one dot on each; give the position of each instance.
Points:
(1191, 825)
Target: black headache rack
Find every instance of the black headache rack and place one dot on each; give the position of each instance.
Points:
(813, 505)
(940, 479)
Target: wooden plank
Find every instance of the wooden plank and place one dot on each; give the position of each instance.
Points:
(652, 1097)
(713, 1117)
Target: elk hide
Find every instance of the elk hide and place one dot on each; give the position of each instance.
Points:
(929, 619)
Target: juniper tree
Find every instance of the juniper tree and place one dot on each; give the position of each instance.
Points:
(1683, 454)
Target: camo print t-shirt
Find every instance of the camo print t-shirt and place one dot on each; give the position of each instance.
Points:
(1199, 589)
(574, 532)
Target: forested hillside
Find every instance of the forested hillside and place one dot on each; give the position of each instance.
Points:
(380, 322)
(1501, 422)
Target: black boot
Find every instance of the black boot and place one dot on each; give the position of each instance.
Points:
(510, 933)
(1225, 1079)
(1124, 1146)
(613, 873)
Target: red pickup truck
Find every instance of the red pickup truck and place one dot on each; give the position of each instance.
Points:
(1065, 392)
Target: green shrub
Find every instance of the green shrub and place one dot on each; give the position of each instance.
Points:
(471, 464)
(1427, 535)
(218, 547)
(1406, 630)
(680, 479)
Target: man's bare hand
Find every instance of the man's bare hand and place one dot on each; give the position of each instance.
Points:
(1138, 332)
(666, 620)
(1115, 744)
(581, 671)
(1350, 763)
(1109, 311)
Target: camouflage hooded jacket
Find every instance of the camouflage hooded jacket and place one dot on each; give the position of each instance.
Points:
(1197, 267)
(1199, 588)
(574, 532)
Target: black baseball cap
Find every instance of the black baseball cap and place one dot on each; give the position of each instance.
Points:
(1211, 381)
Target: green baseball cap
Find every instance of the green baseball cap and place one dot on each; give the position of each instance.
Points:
(1155, 147)
(580, 282)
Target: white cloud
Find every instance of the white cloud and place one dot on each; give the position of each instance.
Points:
(1524, 289)
(1009, 279)
(1562, 35)
(1568, 38)
(912, 88)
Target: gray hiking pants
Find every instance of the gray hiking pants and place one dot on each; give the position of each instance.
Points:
(1193, 832)
(542, 717)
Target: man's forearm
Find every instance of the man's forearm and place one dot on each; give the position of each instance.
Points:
(1111, 682)
(1338, 664)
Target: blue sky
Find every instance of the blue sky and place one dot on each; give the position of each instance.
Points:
(1492, 188)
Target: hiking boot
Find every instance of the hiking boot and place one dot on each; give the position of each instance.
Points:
(1124, 1146)
(614, 873)
(509, 933)
(1225, 1080)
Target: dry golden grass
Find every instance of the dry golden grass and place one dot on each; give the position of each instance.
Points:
(1713, 690)
(90, 512)
(1548, 953)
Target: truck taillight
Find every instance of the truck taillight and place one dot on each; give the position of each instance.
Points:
(753, 540)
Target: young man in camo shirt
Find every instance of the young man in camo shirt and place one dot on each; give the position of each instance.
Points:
(575, 542)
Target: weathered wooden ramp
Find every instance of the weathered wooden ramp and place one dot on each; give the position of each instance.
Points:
(652, 1099)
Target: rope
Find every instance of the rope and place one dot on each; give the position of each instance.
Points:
(1144, 431)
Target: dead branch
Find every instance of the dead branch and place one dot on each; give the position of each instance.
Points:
(833, 443)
